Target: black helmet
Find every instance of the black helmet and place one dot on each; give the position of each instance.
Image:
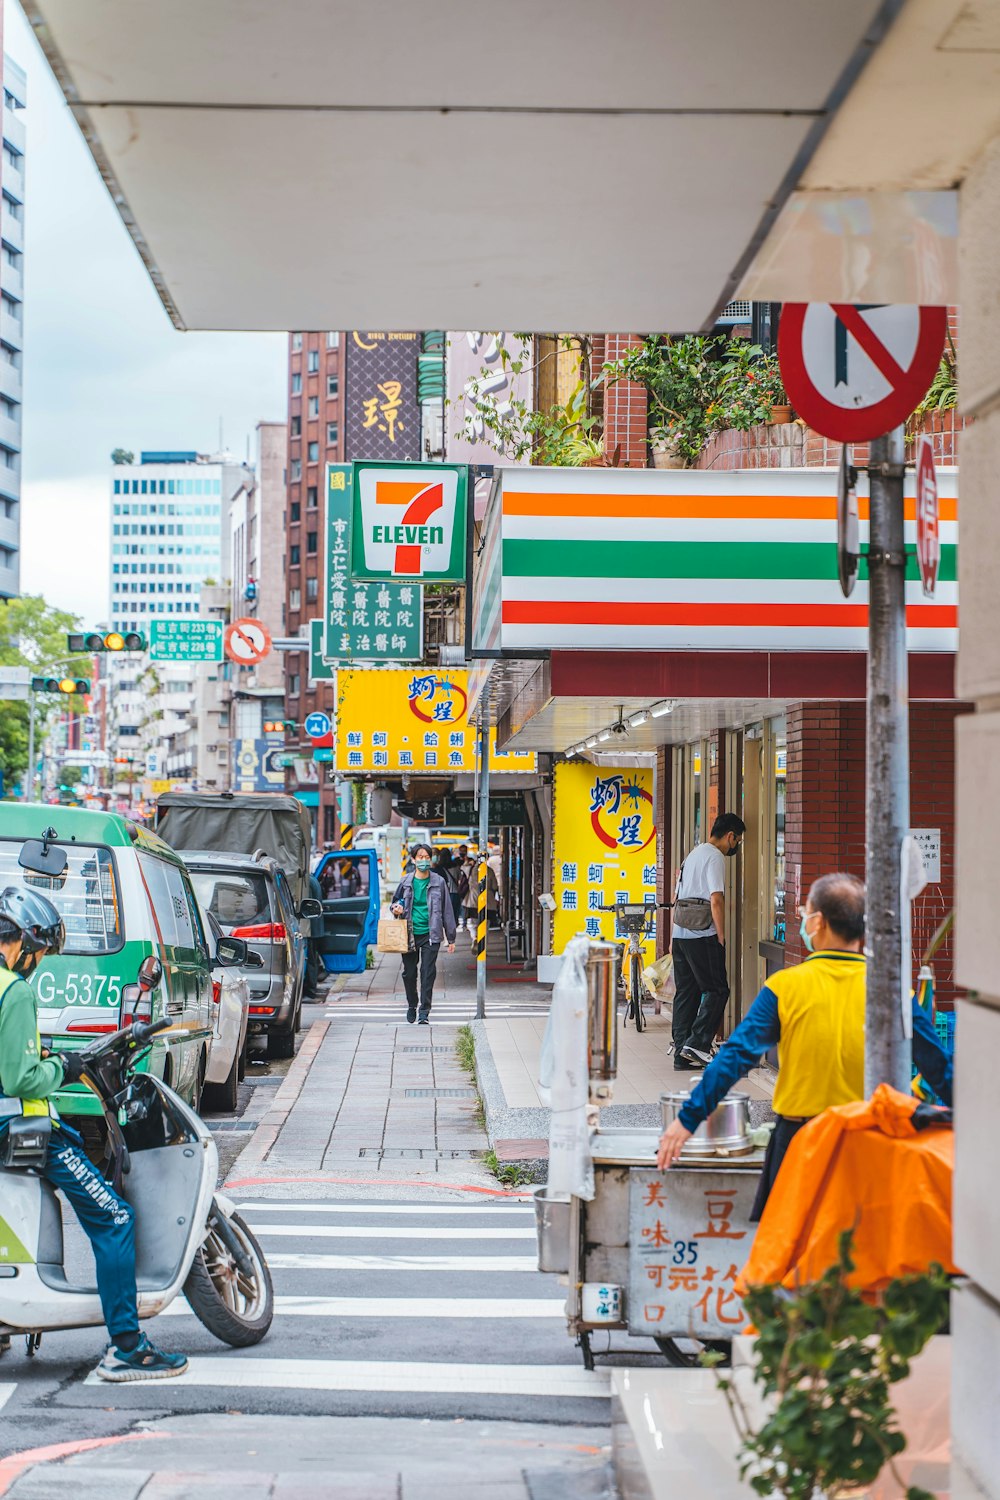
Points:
(39, 923)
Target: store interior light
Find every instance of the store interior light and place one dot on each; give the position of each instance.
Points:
(659, 709)
(592, 742)
(570, 751)
(605, 734)
(640, 718)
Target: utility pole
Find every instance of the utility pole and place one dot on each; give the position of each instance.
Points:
(482, 918)
(887, 813)
(29, 778)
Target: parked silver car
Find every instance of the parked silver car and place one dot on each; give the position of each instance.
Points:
(250, 897)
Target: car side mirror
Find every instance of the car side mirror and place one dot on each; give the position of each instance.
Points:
(310, 907)
(150, 973)
(230, 951)
(43, 858)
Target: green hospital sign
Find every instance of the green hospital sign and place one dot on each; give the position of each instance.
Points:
(408, 522)
(186, 640)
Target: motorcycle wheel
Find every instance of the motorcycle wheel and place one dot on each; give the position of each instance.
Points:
(685, 1354)
(233, 1307)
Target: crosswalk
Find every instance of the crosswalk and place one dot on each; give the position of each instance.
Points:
(422, 1308)
(443, 1013)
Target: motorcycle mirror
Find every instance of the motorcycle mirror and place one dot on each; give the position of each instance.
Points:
(231, 950)
(150, 973)
(41, 858)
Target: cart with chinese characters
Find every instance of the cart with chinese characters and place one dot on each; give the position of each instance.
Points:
(664, 1248)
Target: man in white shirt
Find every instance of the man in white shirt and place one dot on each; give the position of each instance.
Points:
(701, 988)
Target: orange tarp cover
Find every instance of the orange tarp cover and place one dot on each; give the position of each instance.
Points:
(861, 1164)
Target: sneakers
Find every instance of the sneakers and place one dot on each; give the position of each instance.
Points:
(411, 1016)
(424, 1020)
(144, 1362)
(696, 1056)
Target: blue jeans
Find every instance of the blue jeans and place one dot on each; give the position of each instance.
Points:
(109, 1223)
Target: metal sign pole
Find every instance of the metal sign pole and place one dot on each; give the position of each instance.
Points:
(484, 833)
(29, 776)
(887, 1049)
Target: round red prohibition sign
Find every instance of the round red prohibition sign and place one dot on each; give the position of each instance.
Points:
(852, 373)
(247, 641)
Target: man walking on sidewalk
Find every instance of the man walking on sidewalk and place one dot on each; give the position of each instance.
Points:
(699, 944)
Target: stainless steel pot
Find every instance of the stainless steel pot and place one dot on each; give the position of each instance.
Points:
(725, 1129)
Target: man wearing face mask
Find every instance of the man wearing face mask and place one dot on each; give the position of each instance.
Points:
(422, 897)
(698, 943)
(815, 1015)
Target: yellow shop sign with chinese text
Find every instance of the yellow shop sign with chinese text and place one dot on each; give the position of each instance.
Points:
(604, 848)
(414, 721)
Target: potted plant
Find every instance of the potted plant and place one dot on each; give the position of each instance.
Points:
(753, 392)
(682, 378)
(663, 445)
(825, 1358)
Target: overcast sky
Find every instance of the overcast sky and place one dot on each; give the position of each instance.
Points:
(103, 365)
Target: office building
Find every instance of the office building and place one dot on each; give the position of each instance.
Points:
(11, 324)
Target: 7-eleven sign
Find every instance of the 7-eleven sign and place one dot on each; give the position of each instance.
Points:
(409, 522)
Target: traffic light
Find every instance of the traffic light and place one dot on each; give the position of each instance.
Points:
(60, 685)
(280, 726)
(108, 640)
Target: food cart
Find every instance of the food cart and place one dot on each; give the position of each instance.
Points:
(656, 1254)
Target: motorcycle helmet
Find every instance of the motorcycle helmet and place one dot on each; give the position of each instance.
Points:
(32, 917)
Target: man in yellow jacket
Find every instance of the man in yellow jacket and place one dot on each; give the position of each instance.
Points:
(815, 1014)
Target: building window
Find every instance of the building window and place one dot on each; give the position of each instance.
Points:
(313, 453)
(295, 429)
(296, 469)
(332, 340)
(295, 599)
(296, 384)
(295, 511)
(312, 496)
(312, 590)
(311, 539)
(296, 341)
(332, 434)
(313, 407)
(294, 556)
(332, 387)
(312, 361)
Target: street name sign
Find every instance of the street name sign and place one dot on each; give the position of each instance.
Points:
(15, 684)
(853, 373)
(185, 640)
(928, 532)
(247, 642)
(408, 522)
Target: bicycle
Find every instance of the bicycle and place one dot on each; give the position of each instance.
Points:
(635, 919)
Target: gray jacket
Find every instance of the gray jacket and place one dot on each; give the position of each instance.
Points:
(440, 912)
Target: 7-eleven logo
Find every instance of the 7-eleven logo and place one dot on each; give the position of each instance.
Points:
(408, 523)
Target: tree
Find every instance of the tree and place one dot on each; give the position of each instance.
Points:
(122, 456)
(32, 634)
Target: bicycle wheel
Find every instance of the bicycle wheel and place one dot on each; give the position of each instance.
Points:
(635, 984)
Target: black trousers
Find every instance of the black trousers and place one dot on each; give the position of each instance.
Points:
(782, 1135)
(701, 991)
(423, 957)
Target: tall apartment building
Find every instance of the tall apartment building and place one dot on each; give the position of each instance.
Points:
(11, 323)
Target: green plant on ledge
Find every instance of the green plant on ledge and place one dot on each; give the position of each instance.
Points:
(827, 1358)
(751, 386)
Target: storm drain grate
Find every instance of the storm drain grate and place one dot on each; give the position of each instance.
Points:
(439, 1094)
(414, 1154)
(427, 1049)
(231, 1124)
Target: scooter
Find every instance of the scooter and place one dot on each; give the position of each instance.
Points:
(165, 1164)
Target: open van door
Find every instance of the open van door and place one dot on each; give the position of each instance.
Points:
(349, 881)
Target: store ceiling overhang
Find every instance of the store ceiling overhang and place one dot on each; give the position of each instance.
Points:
(575, 695)
(449, 163)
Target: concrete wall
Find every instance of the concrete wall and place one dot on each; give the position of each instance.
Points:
(976, 1454)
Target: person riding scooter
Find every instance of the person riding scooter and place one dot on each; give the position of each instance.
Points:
(30, 929)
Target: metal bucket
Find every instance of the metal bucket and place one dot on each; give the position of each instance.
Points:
(724, 1130)
(552, 1231)
(602, 1012)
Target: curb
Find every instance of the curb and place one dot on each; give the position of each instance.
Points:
(255, 1152)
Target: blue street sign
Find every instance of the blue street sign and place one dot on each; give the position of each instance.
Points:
(323, 753)
(317, 725)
